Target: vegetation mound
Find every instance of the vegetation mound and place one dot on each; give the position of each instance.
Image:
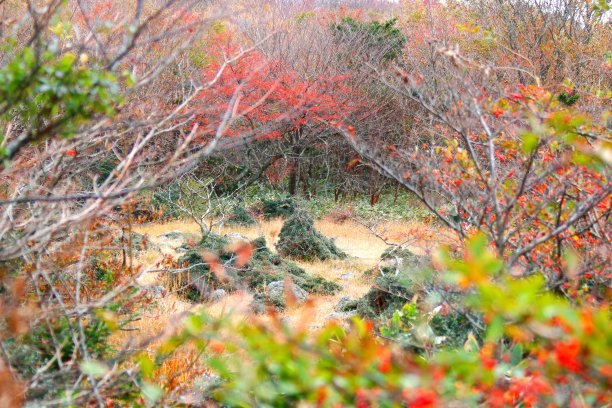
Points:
(197, 279)
(277, 207)
(299, 239)
(240, 216)
(396, 285)
(396, 259)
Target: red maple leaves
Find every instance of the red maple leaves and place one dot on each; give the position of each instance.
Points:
(266, 98)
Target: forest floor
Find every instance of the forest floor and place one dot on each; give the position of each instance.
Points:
(363, 247)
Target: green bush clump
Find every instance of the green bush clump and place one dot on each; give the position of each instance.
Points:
(104, 168)
(265, 267)
(300, 240)
(197, 276)
(240, 216)
(165, 199)
(46, 89)
(318, 284)
(281, 206)
(397, 258)
(388, 294)
(395, 288)
(103, 273)
(38, 345)
(569, 98)
(454, 326)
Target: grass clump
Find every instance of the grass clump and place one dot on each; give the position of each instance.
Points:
(264, 267)
(299, 239)
(318, 284)
(196, 279)
(388, 294)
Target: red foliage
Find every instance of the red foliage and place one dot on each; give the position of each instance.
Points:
(567, 354)
(264, 97)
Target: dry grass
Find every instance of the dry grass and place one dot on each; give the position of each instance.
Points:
(154, 229)
(354, 239)
(183, 367)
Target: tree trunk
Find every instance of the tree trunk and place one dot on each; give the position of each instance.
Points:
(294, 169)
(294, 163)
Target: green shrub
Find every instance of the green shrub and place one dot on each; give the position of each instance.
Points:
(282, 206)
(454, 326)
(240, 216)
(104, 168)
(383, 38)
(197, 276)
(395, 258)
(42, 89)
(300, 240)
(388, 294)
(396, 285)
(318, 284)
(37, 347)
(569, 98)
(165, 199)
(265, 267)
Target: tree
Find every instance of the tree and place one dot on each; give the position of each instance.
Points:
(295, 109)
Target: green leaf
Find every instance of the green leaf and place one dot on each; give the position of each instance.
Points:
(530, 142)
(147, 366)
(495, 330)
(93, 368)
(151, 392)
(66, 62)
(517, 354)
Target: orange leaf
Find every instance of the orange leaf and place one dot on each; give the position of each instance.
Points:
(244, 251)
(215, 265)
(375, 198)
(352, 164)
